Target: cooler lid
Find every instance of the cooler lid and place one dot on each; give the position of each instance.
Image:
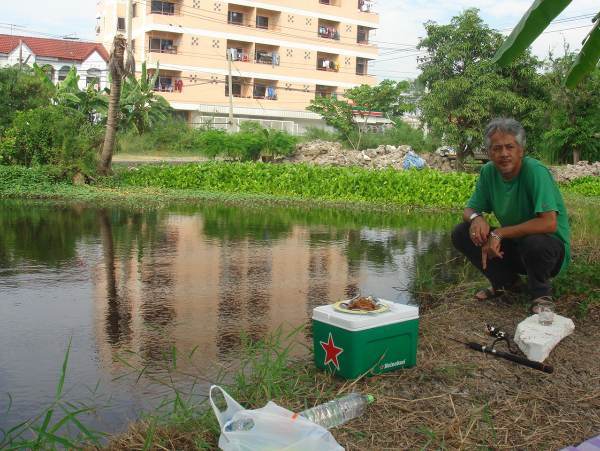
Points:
(396, 314)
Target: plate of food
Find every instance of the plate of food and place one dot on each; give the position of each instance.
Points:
(361, 305)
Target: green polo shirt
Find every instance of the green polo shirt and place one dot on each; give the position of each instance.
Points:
(518, 200)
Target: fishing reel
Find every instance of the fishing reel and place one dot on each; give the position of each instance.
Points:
(499, 335)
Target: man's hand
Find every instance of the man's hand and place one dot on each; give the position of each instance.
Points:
(491, 249)
(479, 231)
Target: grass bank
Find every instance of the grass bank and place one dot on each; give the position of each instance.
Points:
(453, 399)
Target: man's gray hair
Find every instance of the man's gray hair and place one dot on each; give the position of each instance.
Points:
(505, 125)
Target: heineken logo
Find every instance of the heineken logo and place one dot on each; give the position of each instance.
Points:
(331, 352)
(388, 365)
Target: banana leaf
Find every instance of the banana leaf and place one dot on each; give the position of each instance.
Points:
(588, 56)
(536, 19)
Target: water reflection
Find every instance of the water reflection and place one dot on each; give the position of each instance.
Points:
(147, 281)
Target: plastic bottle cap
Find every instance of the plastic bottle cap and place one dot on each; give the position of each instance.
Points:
(370, 399)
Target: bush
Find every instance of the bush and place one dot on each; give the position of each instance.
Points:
(51, 135)
(586, 186)
(400, 134)
(314, 133)
(19, 91)
(171, 135)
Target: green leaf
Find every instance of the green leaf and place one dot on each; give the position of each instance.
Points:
(531, 25)
(588, 56)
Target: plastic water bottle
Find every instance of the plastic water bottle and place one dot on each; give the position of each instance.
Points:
(338, 411)
(328, 415)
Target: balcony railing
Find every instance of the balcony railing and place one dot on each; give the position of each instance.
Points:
(260, 57)
(265, 93)
(171, 49)
(328, 32)
(166, 84)
(328, 65)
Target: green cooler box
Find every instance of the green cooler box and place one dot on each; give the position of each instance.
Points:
(351, 344)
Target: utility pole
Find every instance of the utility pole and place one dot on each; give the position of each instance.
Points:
(20, 55)
(229, 58)
(129, 19)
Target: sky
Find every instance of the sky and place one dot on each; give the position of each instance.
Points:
(401, 25)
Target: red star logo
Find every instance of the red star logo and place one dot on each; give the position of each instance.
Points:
(331, 352)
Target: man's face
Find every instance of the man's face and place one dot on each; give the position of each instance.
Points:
(506, 154)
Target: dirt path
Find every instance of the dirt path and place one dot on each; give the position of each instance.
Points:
(152, 159)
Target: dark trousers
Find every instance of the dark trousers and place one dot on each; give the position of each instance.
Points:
(538, 256)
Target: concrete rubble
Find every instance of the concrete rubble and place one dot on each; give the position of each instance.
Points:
(572, 171)
(320, 152)
(331, 153)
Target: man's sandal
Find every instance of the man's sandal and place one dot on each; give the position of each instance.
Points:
(488, 293)
(545, 301)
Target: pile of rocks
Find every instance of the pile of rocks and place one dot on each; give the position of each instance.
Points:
(385, 156)
(331, 153)
(572, 171)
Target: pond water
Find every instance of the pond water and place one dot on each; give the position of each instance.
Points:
(125, 287)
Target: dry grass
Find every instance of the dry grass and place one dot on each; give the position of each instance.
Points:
(454, 398)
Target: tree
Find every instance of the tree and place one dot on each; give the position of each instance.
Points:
(337, 114)
(20, 91)
(464, 89)
(116, 67)
(537, 18)
(140, 107)
(387, 97)
(574, 115)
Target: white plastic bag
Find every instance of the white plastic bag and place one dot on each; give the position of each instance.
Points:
(275, 428)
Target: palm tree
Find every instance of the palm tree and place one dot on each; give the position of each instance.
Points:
(116, 68)
(536, 20)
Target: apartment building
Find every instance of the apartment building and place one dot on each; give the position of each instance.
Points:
(284, 53)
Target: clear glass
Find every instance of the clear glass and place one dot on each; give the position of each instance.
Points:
(546, 314)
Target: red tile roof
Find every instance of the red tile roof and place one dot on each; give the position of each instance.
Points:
(55, 48)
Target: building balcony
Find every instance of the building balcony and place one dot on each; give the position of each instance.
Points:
(330, 2)
(329, 29)
(164, 8)
(366, 6)
(325, 91)
(328, 62)
(264, 89)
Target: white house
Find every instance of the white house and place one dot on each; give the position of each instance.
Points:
(58, 56)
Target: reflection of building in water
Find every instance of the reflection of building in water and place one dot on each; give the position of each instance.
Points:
(205, 292)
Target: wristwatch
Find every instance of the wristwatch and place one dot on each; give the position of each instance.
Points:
(473, 216)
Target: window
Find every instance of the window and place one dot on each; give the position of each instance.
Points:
(160, 7)
(121, 23)
(236, 87)
(63, 72)
(134, 10)
(93, 78)
(362, 35)
(361, 66)
(262, 22)
(162, 45)
(133, 45)
(235, 17)
(164, 84)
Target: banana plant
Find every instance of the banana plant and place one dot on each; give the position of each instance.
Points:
(537, 18)
(141, 107)
(90, 101)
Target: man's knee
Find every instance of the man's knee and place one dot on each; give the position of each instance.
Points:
(460, 235)
(538, 246)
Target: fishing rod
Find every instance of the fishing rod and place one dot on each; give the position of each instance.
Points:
(506, 355)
